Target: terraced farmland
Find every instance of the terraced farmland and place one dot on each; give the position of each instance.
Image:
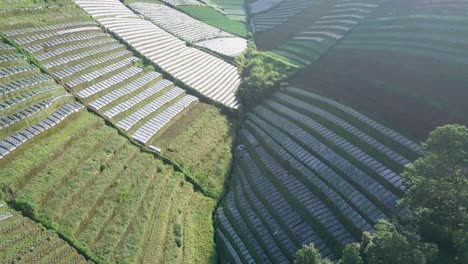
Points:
(101, 73)
(213, 17)
(113, 201)
(406, 56)
(108, 153)
(30, 101)
(235, 9)
(310, 43)
(260, 6)
(181, 2)
(309, 170)
(191, 30)
(25, 241)
(205, 73)
(277, 15)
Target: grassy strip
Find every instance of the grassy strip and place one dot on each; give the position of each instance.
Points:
(154, 249)
(210, 137)
(199, 231)
(34, 118)
(23, 232)
(27, 210)
(25, 164)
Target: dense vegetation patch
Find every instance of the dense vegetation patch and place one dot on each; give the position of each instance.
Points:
(262, 74)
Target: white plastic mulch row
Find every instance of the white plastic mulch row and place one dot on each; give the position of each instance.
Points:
(209, 75)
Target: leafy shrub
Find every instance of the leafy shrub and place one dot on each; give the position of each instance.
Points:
(178, 230)
(178, 241)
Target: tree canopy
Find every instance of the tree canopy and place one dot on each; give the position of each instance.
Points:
(435, 229)
(308, 254)
(262, 74)
(388, 245)
(437, 197)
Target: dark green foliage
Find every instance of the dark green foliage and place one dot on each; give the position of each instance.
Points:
(178, 241)
(388, 245)
(438, 190)
(262, 75)
(308, 254)
(351, 254)
(178, 229)
(102, 167)
(178, 234)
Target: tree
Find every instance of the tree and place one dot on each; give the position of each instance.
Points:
(308, 254)
(262, 74)
(437, 197)
(388, 246)
(352, 254)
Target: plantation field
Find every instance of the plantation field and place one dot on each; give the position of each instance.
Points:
(191, 30)
(15, 13)
(402, 58)
(107, 198)
(136, 97)
(269, 39)
(24, 241)
(235, 9)
(216, 19)
(328, 24)
(309, 169)
(202, 148)
(278, 14)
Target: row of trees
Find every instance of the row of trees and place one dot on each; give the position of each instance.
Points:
(435, 229)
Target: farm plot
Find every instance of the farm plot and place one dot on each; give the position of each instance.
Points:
(260, 6)
(38, 13)
(234, 9)
(182, 2)
(108, 79)
(108, 198)
(277, 15)
(309, 169)
(205, 73)
(25, 241)
(102, 73)
(191, 30)
(310, 43)
(30, 101)
(406, 67)
(212, 17)
(270, 39)
(202, 147)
